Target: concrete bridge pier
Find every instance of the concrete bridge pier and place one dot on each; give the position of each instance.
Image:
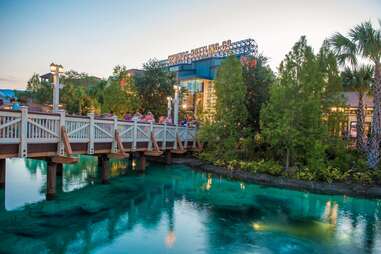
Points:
(2, 173)
(51, 190)
(103, 163)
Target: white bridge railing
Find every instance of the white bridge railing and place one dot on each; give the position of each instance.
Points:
(23, 128)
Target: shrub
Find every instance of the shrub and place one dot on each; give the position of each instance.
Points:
(365, 177)
(305, 174)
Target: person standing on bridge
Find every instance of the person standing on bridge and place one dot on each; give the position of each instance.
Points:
(15, 104)
(149, 118)
(137, 117)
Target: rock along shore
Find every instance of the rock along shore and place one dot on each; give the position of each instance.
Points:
(350, 189)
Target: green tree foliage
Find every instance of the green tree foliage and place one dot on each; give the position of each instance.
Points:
(75, 95)
(258, 79)
(294, 121)
(154, 86)
(225, 134)
(40, 91)
(364, 40)
(120, 95)
(76, 100)
(359, 80)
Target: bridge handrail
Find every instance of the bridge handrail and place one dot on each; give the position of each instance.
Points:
(22, 127)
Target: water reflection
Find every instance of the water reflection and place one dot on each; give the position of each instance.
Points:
(164, 210)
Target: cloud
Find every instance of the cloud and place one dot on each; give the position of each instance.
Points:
(9, 79)
(10, 82)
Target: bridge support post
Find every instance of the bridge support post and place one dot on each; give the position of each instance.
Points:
(142, 161)
(2, 200)
(105, 169)
(2, 173)
(168, 157)
(51, 181)
(59, 169)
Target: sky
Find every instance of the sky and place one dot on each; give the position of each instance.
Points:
(93, 36)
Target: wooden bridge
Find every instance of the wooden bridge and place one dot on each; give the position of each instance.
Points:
(55, 137)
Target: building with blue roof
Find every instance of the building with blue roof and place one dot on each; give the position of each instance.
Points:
(196, 71)
(6, 95)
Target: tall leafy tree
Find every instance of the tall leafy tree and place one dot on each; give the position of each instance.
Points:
(359, 80)
(365, 40)
(258, 77)
(225, 133)
(154, 86)
(293, 121)
(120, 95)
(40, 91)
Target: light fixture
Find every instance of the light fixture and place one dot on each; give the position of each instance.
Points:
(55, 68)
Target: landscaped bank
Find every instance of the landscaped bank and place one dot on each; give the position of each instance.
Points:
(350, 189)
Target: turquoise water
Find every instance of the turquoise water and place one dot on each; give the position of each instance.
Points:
(172, 209)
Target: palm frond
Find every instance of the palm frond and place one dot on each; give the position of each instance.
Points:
(367, 39)
(344, 48)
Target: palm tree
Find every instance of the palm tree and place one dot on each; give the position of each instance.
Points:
(359, 80)
(365, 41)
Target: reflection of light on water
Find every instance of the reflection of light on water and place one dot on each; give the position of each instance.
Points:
(170, 239)
(116, 167)
(257, 226)
(314, 229)
(208, 184)
(242, 186)
(330, 212)
(133, 165)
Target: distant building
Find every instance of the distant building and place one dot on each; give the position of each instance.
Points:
(48, 77)
(351, 103)
(135, 72)
(196, 70)
(6, 95)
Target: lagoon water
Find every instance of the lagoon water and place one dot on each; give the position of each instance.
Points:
(173, 209)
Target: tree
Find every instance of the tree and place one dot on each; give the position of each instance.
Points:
(225, 133)
(154, 86)
(294, 119)
(359, 80)
(121, 100)
(41, 91)
(258, 79)
(365, 40)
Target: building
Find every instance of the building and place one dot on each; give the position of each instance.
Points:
(351, 101)
(196, 71)
(6, 95)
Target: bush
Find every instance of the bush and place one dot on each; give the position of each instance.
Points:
(305, 174)
(332, 174)
(365, 177)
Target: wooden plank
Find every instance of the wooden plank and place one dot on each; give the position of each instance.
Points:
(156, 150)
(64, 160)
(120, 154)
(65, 139)
(119, 143)
(179, 143)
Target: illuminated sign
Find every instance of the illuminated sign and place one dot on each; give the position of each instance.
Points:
(244, 47)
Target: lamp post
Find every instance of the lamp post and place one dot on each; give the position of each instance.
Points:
(56, 69)
(176, 105)
(169, 106)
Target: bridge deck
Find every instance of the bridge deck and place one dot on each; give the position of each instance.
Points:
(32, 134)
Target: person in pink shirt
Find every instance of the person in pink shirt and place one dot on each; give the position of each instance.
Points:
(149, 118)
